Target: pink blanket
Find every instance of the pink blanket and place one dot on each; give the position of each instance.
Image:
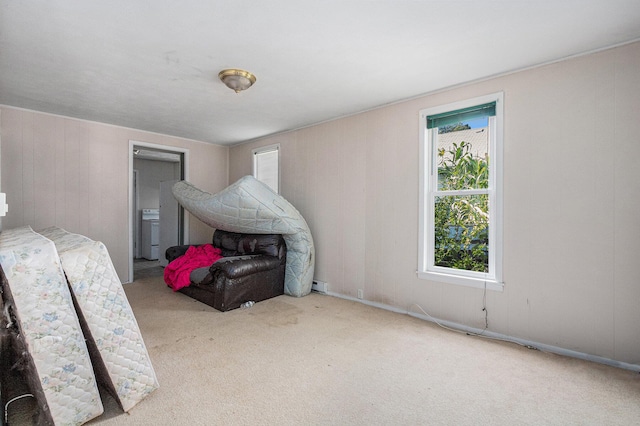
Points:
(176, 274)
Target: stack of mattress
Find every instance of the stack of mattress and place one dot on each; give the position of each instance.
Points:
(55, 332)
(50, 327)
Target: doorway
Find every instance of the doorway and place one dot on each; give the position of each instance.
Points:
(152, 170)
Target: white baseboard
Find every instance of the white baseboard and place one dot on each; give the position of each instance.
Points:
(486, 333)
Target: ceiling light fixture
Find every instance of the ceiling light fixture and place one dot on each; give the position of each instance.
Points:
(237, 80)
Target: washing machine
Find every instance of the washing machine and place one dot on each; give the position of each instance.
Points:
(150, 233)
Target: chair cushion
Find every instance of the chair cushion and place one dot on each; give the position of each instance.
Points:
(201, 276)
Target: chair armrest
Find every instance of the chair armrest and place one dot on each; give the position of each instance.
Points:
(240, 266)
(174, 252)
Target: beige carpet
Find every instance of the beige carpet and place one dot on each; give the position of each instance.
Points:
(320, 360)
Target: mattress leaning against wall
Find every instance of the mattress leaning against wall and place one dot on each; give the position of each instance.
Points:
(52, 334)
(21, 394)
(123, 363)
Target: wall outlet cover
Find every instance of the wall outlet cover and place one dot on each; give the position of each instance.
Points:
(319, 286)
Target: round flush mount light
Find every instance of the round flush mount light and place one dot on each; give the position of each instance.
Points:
(237, 80)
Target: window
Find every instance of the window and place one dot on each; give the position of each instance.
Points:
(266, 166)
(461, 193)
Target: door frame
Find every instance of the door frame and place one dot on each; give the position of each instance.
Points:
(184, 176)
(134, 214)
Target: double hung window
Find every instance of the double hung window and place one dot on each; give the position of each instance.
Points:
(461, 193)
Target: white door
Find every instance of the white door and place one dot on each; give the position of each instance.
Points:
(169, 220)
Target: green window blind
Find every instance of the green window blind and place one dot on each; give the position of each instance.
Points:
(461, 115)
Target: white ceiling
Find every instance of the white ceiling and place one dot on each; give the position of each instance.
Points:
(153, 65)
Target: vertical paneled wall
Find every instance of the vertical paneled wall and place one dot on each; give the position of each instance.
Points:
(571, 205)
(75, 174)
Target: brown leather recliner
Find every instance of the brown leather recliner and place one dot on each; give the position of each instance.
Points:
(252, 269)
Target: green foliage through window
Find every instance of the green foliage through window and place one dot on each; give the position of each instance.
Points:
(462, 221)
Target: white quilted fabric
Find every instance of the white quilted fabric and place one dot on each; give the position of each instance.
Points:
(51, 329)
(250, 206)
(105, 307)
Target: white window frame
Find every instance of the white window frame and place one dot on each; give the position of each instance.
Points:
(263, 150)
(428, 189)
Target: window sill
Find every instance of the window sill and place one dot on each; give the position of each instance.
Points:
(490, 284)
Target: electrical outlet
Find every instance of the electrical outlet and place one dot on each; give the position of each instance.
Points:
(319, 286)
(360, 293)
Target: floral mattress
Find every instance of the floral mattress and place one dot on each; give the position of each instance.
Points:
(112, 327)
(43, 307)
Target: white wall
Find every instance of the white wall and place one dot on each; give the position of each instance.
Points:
(75, 174)
(572, 203)
(150, 174)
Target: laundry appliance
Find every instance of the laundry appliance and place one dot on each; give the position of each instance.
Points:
(150, 233)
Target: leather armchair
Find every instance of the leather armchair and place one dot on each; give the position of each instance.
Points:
(252, 269)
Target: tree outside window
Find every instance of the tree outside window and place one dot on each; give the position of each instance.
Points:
(462, 222)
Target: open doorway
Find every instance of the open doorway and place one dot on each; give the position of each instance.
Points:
(156, 220)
